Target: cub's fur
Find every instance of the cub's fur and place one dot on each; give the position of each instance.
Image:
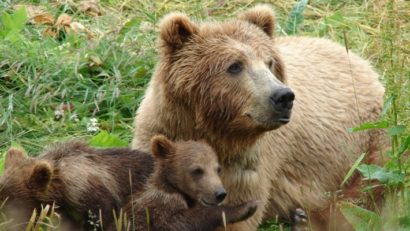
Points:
(184, 191)
(82, 182)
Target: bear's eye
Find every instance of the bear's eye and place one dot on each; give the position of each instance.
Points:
(270, 64)
(218, 170)
(197, 172)
(235, 68)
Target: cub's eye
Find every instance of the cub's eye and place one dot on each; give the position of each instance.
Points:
(235, 68)
(270, 64)
(197, 172)
(219, 169)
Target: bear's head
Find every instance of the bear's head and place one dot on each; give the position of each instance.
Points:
(23, 185)
(227, 74)
(190, 168)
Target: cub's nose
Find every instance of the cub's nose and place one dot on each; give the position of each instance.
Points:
(282, 99)
(220, 195)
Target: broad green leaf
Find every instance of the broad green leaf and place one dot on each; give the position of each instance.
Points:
(3, 32)
(296, 17)
(13, 24)
(354, 166)
(360, 218)
(374, 172)
(397, 130)
(7, 21)
(388, 104)
(19, 18)
(366, 126)
(13, 36)
(404, 146)
(106, 140)
(404, 221)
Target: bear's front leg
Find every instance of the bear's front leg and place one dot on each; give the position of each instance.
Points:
(243, 185)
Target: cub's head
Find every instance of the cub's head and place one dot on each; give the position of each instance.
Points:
(228, 74)
(190, 168)
(23, 186)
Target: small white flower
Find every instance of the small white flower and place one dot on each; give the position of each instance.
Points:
(58, 113)
(92, 125)
(74, 117)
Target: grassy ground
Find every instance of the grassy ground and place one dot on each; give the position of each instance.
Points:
(52, 82)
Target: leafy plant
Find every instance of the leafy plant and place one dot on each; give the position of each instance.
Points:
(106, 140)
(360, 218)
(394, 175)
(374, 172)
(12, 24)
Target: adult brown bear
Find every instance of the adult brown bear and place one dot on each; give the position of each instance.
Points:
(234, 84)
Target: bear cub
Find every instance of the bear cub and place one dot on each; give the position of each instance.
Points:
(184, 191)
(83, 182)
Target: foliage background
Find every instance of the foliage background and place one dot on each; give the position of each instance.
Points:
(100, 70)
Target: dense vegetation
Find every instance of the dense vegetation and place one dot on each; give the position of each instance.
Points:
(76, 68)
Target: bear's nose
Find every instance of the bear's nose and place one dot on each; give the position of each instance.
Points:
(282, 99)
(220, 195)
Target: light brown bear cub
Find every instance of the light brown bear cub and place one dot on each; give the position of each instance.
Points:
(82, 181)
(184, 191)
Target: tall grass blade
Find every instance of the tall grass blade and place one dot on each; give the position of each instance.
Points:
(353, 168)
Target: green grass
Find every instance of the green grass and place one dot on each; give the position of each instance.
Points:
(102, 72)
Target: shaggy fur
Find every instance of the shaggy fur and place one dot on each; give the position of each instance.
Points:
(181, 193)
(192, 96)
(80, 180)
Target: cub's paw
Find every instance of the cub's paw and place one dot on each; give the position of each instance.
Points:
(241, 212)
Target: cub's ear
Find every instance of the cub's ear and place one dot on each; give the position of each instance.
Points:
(40, 177)
(175, 30)
(262, 16)
(162, 147)
(14, 156)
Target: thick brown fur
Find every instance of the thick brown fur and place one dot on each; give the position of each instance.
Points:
(81, 181)
(192, 95)
(180, 194)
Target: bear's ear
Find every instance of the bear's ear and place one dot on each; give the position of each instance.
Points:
(162, 147)
(14, 156)
(262, 16)
(40, 176)
(175, 30)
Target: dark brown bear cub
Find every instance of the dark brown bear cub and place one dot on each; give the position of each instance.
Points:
(82, 181)
(184, 191)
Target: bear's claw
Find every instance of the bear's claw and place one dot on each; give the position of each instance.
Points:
(300, 220)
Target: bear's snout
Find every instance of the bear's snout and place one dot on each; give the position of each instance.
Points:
(282, 102)
(220, 194)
